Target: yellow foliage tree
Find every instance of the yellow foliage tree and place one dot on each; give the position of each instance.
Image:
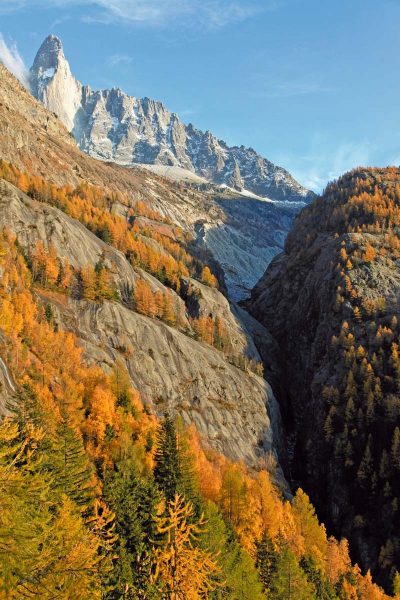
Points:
(182, 570)
(370, 253)
(208, 278)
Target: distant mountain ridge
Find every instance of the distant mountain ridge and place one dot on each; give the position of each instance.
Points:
(112, 126)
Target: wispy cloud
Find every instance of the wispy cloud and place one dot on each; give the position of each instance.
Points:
(219, 13)
(14, 62)
(212, 14)
(295, 88)
(263, 87)
(189, 112)
(323, 163)
(119, 59)
(9, 6)
(59, 21)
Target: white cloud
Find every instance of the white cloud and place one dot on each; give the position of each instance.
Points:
(14, 62)
(212, 14)
(220, 13)
(296, 88)
(188, 112)
(8, 6)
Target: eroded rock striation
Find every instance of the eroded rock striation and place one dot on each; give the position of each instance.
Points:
(235, 411)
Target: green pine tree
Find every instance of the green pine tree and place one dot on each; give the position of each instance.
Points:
(239, 579)
(134, 502)
(323, 588)
(167, 473)
(266, 561)
(69, 465)
(289, 581)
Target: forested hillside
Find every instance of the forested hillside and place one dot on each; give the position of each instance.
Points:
(332, 302)
(100, 500)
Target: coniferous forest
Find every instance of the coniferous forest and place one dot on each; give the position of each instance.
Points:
(101, 499)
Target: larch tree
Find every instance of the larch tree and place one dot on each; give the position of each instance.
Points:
(181, 569)
(208, 278)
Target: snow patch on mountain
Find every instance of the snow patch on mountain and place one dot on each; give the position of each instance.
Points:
(175, 173)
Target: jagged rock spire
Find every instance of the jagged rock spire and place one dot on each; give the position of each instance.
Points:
(53, 83)
(49, 54)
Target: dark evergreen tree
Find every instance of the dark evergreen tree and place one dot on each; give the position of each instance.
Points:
(174, 469)
(266, 560)
(66, 460)
(167, 472)
(134, 502)
(323, 588)
(239, 578)
(187, 483)
(289, 581)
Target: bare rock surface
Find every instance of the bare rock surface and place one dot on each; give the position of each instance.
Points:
(231, 409)
(235, 411)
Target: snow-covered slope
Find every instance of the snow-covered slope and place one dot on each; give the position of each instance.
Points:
(175, 174)
(112, 126)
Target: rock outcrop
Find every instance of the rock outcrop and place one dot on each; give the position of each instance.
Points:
(235, 412)
(331, 301)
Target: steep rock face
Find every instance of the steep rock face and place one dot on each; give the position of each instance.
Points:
(251, 234)
(235, 411)
(34, 221)
(242, 233)
(53, 82)
(331, 301)
(111, 125)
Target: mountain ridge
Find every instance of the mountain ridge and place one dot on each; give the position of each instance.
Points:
(37, 143)
(78, 330)
(242, 233)
(111, 125)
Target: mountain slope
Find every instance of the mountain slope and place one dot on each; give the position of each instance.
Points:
(331, 300)
(111, 125)
(242, 233)
(209, 390)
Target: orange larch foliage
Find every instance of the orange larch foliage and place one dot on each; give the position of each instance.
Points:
(208, 278)
(50, 364)
(369, 254)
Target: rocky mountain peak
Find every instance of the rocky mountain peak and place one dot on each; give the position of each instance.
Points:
(112, 126)
(53, 83)
(49, 54)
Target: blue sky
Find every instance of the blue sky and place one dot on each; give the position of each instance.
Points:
(313, 85)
